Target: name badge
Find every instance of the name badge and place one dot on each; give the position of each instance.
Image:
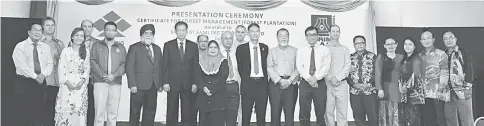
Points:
(117, 50)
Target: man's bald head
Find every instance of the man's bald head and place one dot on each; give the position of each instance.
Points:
(87, 26)
(227, 38)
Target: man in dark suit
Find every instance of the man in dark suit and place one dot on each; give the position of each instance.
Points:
(252, 66)
(181, 59)
(144, 72)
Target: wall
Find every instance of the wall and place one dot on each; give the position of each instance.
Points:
(19, 9)
(429, 13)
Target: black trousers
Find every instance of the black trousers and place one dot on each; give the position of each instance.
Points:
(257, 93)
(193, 110)
(282, 98)
(187, 107)
(363, 106)
(29, 102)
(146, 99)
(433, 113)
(307, 95)
(51, 96)
(233, 104)
(212, 118)
(90, 104)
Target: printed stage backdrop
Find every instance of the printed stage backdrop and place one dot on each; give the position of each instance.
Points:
(210, 17)
(470, 38)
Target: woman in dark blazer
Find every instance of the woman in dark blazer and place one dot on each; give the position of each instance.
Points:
(212, 96)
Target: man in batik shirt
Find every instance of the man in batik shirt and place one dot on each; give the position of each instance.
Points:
(362, 84)
(459, 108)
(435, 73)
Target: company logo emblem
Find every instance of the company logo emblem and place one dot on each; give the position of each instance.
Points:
(123, 25)
(323, 23)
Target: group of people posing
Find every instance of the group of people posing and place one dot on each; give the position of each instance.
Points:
(225, 81)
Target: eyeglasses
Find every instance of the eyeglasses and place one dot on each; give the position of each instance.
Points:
(389, 44)
(312, 35)
(360, 43)
(449, 38)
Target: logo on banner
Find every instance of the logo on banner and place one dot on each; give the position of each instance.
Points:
(323, 23)
(122, 24)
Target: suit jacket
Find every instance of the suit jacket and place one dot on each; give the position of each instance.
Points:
(244, 63)
(141, 71)
(177, 73)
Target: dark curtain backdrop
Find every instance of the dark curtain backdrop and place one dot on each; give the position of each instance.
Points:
(471, 38)
(14, 30)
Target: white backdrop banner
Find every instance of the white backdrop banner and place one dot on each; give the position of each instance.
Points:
(210, 17)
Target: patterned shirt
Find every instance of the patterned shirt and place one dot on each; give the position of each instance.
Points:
(435, 73)
(460, 73)
(362, 72)
(56, 47)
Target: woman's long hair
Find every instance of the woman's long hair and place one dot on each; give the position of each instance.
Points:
(415, 50)
(82, 49)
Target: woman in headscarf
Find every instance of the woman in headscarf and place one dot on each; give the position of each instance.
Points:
(387, 74)
(410, 84)
(74, 68)
(212, 95)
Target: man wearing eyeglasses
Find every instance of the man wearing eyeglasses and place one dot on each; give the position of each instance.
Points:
(459, 108)
(436, 74)
(312, 62)
(336, 80)
(202, 41)
(361, 80)
(144, 72)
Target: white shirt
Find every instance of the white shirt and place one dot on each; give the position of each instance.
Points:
(24, 62)
(184, 44)
(252, 73)
(109, 56)
(322, 57)
(233, 59)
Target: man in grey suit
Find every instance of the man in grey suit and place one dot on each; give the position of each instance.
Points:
(143, 69)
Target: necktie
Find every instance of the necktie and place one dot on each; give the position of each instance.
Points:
(149, 52)
(231, 74)
(36, 60)
(312, 67)
(182, 52)
(256, 60)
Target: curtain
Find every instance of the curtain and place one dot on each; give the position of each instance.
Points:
(334, 5)
(94, 2)
(371, 40)
(256, 5)
(174, 3)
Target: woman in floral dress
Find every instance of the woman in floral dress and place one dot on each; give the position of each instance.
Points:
(411, 87)
(74, 68)
(387, 74)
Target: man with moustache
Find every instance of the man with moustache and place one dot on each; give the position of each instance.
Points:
(436, 73)
(202, 41)
(87, 27)
(283, 88)
(253, 73)
(56, 47)
(233, 81)
(313, 63)
(33, 63)
(107, 64)
(144, 73)
(336, 79)
(181, 60)
(361, 80)
(459, 108)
